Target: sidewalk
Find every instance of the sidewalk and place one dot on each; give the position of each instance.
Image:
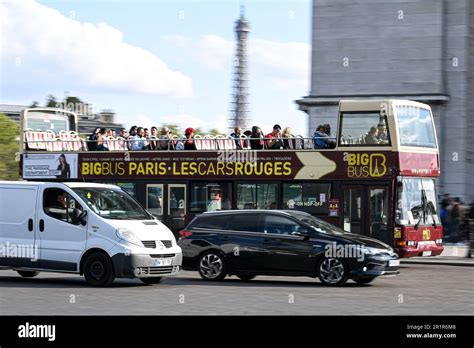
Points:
(453, 255)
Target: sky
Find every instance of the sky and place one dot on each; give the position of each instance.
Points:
(156, 62)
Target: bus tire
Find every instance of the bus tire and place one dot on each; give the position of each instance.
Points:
(99, 269)
(151, 280)
(28, 274)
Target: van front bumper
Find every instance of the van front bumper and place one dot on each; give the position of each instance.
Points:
(145, 266)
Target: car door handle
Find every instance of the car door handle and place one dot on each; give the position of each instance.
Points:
(30, 225)
(41, 225)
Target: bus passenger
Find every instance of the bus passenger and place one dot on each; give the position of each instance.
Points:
(102, 140)
(246, 142)
(382, 133)
(138, 141)
(236, 135)
(321, 138)
(288, 139)
(371, 137)
(273, 139)
(189, 141)
(256, 141)
(165, 142)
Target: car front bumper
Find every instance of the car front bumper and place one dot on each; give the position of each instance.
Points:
(146, 265)
(374, 266)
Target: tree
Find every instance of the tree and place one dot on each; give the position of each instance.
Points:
(34, 104)
(215, 131)
(9, 169)
(198, 131)
(51, 101)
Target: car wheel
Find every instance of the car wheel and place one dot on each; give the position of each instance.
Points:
(212, 266)
(332, 271)
(99, 270)
(363, 280)
(246, 277)
(152, 280)
(28, 274)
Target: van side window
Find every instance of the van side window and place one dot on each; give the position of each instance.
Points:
(60, 205)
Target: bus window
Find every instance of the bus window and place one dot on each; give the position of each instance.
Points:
(128, 187)
(416, 126)
(57, 122)
(154, 199)
(364, 129)
(256, 196)
(310, 197)
(210, 196)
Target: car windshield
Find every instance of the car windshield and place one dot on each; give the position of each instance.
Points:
(319, 225)
(112, 203)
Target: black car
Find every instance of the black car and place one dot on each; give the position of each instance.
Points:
(247, 243)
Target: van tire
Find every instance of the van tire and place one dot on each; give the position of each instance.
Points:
(28, 274)
(152, 280)
(99, 269)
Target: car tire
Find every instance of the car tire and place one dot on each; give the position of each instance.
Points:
(332, 271)
(152, 280)
(363, 280)
(246, 277)
(28, 274)
(99, 269)
(212, 266)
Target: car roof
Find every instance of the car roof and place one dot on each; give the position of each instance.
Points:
(247, 211)
(68, 184)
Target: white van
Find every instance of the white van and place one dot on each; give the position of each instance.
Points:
(96, 230)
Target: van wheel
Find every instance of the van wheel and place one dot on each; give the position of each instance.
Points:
(332, 271)
(28, 274)
(99, 270)
(152, 280)
(212, 266)
(363, 280)
(246, 277)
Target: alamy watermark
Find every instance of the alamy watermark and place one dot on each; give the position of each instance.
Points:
(26, 251)
(334, 250)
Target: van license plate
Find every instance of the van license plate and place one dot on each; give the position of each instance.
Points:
(163, 262)
(427, 253)
(393, 263)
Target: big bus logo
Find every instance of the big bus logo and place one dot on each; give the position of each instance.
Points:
(365, 165)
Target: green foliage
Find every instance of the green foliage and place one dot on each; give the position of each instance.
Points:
(9, 133)
(34, 104)
(51, 101)
(215, 131)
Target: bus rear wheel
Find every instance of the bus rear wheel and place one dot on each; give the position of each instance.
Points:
(28, 274)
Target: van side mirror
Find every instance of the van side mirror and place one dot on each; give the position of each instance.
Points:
(79, 217)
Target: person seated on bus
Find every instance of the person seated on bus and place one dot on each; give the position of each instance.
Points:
(189, 141)
(256, 138)
(288, 139)
(236, 135)
(102, 140)
(371, 137)
(321, 138)
(92, 141)
(153, 143)
(165, 142)
(331, 142)
(382, 135)
(138, 141)
(246, 142)
(273, 139)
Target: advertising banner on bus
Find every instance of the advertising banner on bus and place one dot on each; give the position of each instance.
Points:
(50, 166)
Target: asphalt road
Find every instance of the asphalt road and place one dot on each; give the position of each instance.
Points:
(419, 289)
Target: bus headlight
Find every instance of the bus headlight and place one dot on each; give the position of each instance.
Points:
(128, 236)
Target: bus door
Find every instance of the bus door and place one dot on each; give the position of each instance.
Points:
(177, 206)
(366, 210)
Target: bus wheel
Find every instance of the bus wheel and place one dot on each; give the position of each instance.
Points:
(363, 280)
(99, 270)
(152, 280)
(332, 271)
(212, 266)
(28, 274)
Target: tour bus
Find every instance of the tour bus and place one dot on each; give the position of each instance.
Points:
(376, 177)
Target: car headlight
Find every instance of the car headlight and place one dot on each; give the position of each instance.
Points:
(373, 251)
(128, 236)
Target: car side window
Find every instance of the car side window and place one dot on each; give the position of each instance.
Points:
(211, 222)
(275, 224)
(246, 223)
(58, 204)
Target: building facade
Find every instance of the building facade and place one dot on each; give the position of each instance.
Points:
(421, 50)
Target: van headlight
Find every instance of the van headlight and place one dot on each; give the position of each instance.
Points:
(128, 236)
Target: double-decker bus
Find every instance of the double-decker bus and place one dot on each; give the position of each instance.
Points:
(376, 177)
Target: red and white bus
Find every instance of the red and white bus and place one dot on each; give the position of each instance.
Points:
(378, 179)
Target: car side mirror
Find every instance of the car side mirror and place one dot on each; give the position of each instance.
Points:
(301, 233)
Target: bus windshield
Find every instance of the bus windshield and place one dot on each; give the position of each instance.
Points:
(112, 204)
(416, 126)
(417, 202)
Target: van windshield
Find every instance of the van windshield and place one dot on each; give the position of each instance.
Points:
(112, 204)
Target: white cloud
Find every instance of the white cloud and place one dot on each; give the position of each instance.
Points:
(287, 64)
(91, 54)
